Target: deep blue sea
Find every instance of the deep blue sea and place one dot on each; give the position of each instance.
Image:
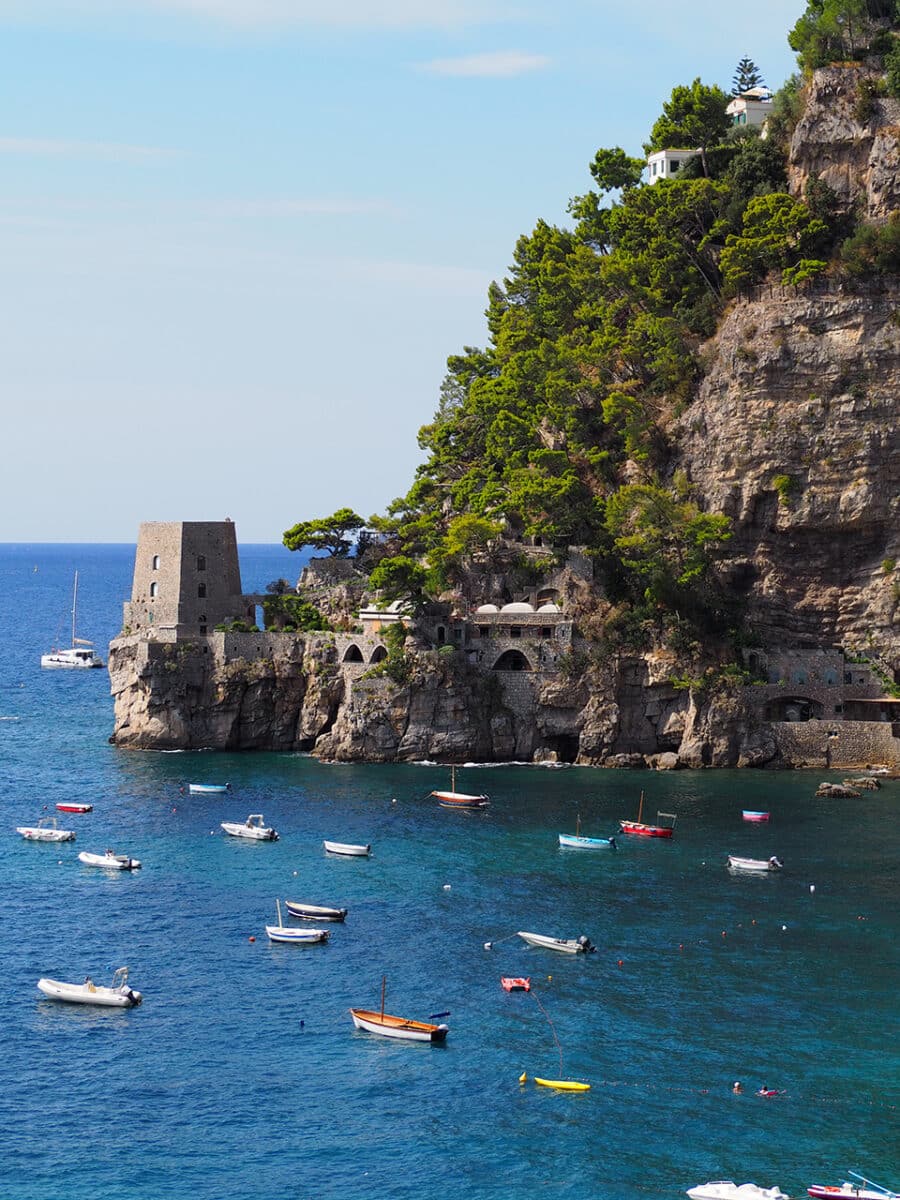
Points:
(241, 1076)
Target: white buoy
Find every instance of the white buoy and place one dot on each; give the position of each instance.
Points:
(446, 887)
(812, 887)
(487, 945)
(783, 928)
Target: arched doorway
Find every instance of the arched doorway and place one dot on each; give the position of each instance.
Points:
(512, 660)
(353, 654)
(379, 654)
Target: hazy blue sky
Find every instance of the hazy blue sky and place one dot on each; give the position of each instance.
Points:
(239, 238)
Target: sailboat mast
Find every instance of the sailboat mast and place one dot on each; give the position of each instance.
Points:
(383, 985)
(74, 605)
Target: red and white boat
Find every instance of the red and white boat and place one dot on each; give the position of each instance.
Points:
(752, 814)
(658, 830)
(455, 799)
(73, 807)
(864, 1190)
(517, 984)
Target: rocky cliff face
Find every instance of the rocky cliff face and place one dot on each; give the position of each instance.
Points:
(794, 436)
(848, 141)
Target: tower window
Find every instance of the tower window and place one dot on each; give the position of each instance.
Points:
(201, 562)
(154, 589)
(201, 590)
(155, 563)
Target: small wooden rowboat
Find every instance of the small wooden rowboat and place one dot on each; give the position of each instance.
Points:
(734, 863)
(315, 912)
(577, 842)
(455, 799)
(579, 945)
(659, 830)
(561, 1085)
(517, 984)
(348, 849)
(752, 814)
(253, 828)
(118, 995)
(398, 1027)
(110, 860)
(72, 807)
(45, 831)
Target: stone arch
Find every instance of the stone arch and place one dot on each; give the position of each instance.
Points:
(441, 635)
(353, 654)
(794, 708)
(547, 595)
(379, 654)
(512, 660)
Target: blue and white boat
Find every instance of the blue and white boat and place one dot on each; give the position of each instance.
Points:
(575, 841)
(208, 789)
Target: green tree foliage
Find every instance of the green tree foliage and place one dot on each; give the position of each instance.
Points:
(693, 117)
(835, 30)
(665, 538)
(873, 249)
(746, 76)
(326, 533)
(400, 578)
(777, 233)
(290, 612)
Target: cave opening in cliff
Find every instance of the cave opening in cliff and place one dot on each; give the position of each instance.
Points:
(564, 745)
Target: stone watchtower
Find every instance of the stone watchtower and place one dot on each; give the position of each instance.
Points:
(187, 579)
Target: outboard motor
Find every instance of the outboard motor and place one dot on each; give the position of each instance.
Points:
(586, 945)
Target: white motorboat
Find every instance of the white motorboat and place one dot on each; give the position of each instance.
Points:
(290, 933)
(208, 789)
(45, 831)
(315, 912)
(347, 848)
(252, 828)
(110, 860)
(726, 1189)
(735, 863)
(117, 995)
(579, 945)
(80, 654)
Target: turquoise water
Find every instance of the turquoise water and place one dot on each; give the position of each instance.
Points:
(241, 1074)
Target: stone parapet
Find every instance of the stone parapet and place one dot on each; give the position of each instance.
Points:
(843, 744)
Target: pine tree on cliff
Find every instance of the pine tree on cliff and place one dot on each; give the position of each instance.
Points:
(746, 76)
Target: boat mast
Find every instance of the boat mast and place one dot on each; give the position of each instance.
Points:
(74, 603)
(383, 985)
(641, 808)
(453, 777)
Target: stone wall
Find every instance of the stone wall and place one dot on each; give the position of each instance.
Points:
(847, 744)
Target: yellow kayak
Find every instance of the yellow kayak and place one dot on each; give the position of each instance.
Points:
(563, 1085)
